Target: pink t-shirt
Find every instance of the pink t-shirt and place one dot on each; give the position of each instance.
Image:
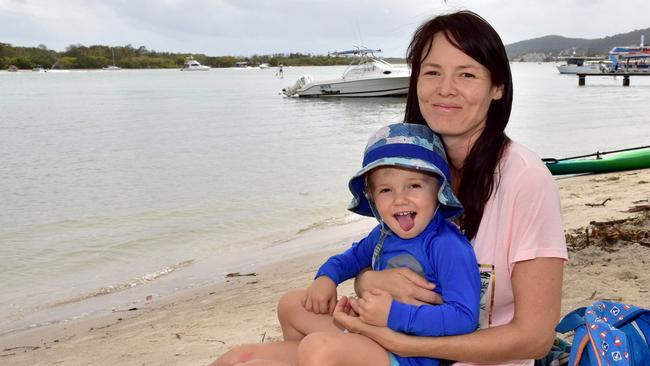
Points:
(522, 220)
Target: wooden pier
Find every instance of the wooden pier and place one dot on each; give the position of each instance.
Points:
(626, 76)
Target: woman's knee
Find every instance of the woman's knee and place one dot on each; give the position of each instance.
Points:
(289, 303)
(236, 355)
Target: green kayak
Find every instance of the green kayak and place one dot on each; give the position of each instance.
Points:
(638, 158)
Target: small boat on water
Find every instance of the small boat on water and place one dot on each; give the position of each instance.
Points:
(112, 67)
(366, 76)
(602, 162)
(192, 65)
(583, 65)
(12, 68)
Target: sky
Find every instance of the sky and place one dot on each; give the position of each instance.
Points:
(248, 27)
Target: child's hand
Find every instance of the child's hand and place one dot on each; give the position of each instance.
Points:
(373, 307)
(320, 297)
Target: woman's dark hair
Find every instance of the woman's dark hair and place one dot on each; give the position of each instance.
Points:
(476, 38)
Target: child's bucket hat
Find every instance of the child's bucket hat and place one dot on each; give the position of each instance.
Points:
(409, 146)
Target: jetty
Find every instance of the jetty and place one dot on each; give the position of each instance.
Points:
(626, 76)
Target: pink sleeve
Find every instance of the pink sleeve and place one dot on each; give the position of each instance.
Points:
(537, 229)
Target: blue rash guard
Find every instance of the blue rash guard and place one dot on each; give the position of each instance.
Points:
(444, 257)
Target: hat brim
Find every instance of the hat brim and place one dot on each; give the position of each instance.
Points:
(450, 207)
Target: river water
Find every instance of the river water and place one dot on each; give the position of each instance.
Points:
(119, 184)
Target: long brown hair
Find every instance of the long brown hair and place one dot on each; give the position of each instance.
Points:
(476, 38)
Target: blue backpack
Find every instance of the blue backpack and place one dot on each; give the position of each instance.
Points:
(608, 333)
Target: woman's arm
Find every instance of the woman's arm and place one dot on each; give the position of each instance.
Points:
(402, 284)
(537, 289)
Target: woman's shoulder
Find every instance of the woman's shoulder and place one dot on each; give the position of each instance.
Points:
(523, 168)
(518, 160)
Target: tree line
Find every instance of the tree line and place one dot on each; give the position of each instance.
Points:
(128, 57)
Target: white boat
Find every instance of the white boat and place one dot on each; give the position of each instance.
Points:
(39, 68)
(366, 76)
(112, 67)
(192, 65)
(243, 65)
(581, 64)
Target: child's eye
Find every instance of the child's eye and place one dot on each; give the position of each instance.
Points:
(415, 186)
(384, 190)
(467, 75)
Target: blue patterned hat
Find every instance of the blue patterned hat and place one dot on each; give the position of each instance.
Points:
(410, 146)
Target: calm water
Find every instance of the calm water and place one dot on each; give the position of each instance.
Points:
(117, 185)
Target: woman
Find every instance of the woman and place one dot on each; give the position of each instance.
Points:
(461, 87)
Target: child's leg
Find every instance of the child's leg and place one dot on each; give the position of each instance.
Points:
(296, 322)
(341, 349)
(279, 352)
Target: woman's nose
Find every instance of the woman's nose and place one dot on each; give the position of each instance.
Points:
(447, 86)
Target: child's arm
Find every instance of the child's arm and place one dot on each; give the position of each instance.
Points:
(348, 264)
(460, 285)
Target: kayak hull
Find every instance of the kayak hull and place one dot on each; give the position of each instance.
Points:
(628, 160)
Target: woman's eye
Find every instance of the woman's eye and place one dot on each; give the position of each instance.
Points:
(467, 75)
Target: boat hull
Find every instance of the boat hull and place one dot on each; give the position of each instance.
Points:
(373, 87)
(628, 160)
(573, 69)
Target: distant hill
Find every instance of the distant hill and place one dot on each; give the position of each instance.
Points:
(554, 46)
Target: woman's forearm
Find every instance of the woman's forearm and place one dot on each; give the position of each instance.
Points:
(493, 345)
(401, 283)
(537, 287)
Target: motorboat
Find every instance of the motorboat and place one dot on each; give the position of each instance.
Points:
(12, 68)
(366, 76)
(39, 68)
(192, 65)
(583, 65)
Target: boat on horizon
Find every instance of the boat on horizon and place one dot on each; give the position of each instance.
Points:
(631, 59)
(192, 65)
(366, 76)
(112, 67)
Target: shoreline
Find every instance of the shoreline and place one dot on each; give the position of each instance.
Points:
(195, 326)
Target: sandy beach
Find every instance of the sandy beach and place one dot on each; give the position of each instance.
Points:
(194, 328)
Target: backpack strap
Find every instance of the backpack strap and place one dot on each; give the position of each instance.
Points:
(571, 321)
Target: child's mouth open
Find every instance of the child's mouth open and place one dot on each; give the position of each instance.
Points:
(406, 220)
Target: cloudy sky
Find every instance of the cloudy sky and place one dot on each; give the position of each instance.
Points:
(246, 27)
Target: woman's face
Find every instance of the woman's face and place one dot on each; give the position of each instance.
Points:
(454, 92)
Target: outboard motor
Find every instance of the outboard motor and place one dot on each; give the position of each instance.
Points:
(302, 81)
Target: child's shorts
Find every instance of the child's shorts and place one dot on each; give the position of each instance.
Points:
(393, 360)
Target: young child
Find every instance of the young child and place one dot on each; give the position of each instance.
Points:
(404, 183)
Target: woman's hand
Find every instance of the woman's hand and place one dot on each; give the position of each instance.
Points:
(373, 307)
(402, 284)
(346, 318)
